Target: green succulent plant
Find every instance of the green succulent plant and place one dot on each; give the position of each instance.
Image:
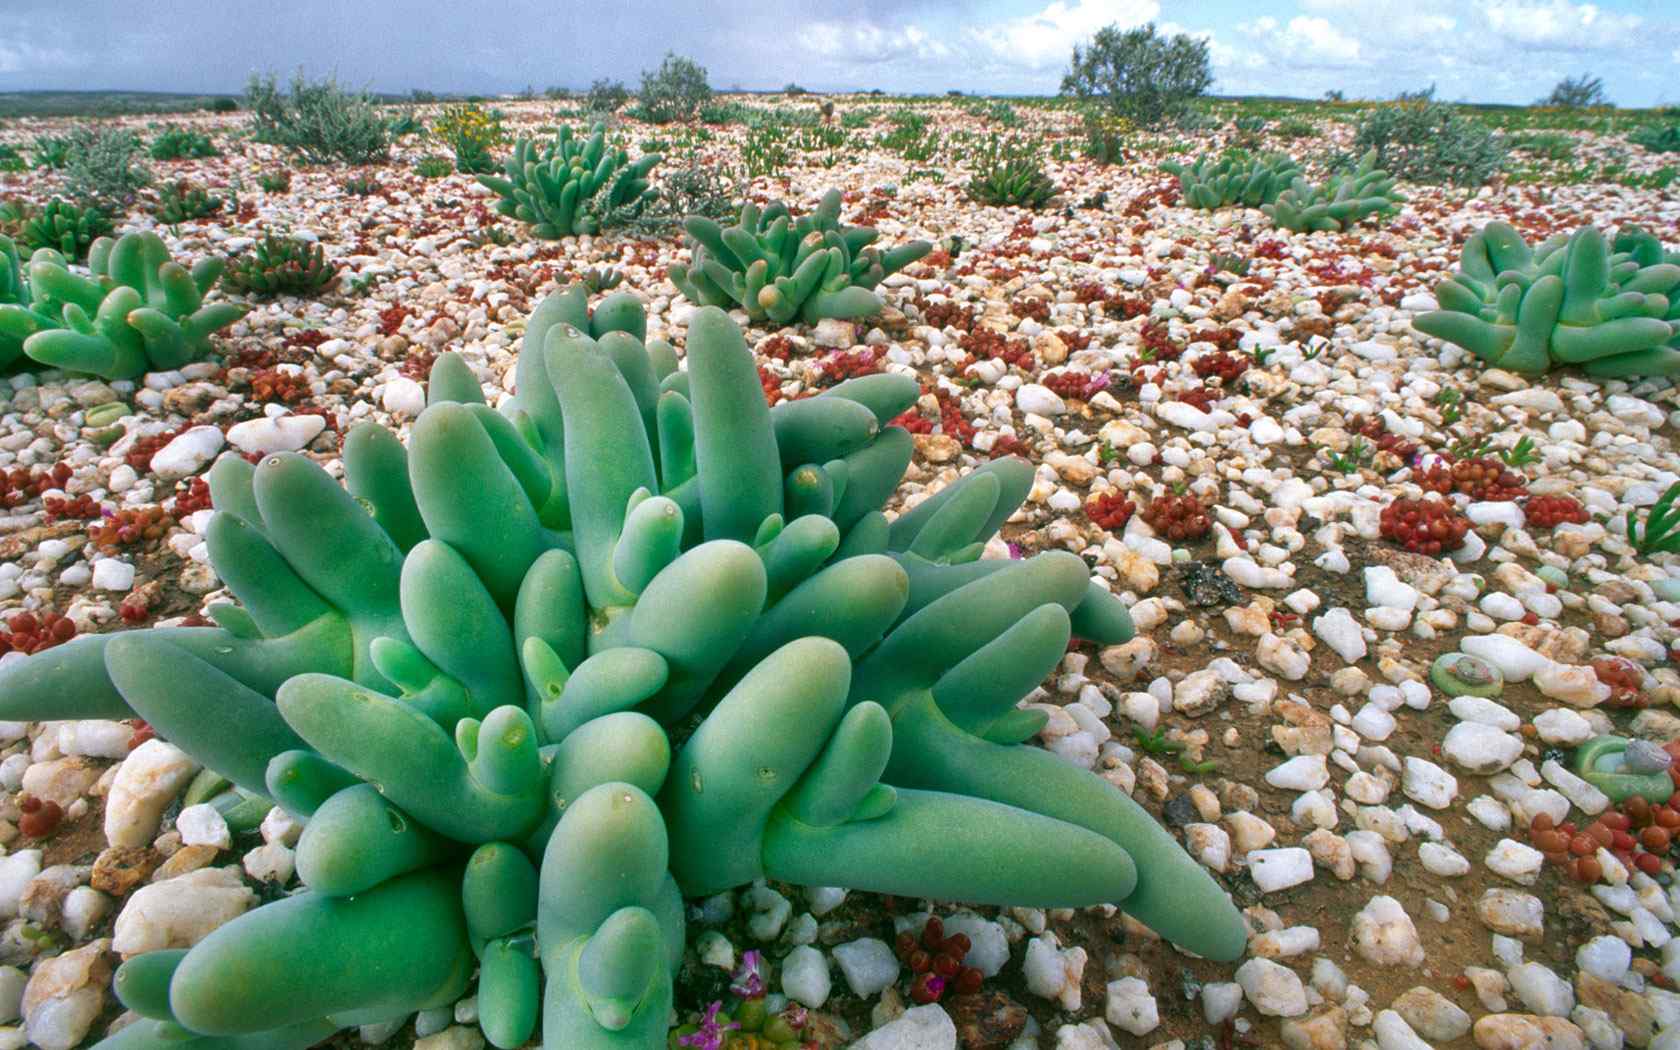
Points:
(1346, 198)
(67, 228)
(573, 186)
(51, 152)
(175, 142)
(185, 202)
(777, 267)
(1010, 173)
(461, 671)
(140, 312)
(281, 265)
(278, 181)
(1577, 299)
(1232, 179)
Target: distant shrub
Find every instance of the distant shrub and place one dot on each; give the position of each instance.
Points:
(101, 168)
(319, 122)
(1657, 138)
(1577, 93)
(174, 142)
(1105, 136)
(1423, 140)
(794, 89)
(724, 112)
(674, 91)
(1295, 128)
(471, 132)
(224, 105)
(434, 167)
(275, 181)
(605, 96)
(556, 93)
(1144, 76)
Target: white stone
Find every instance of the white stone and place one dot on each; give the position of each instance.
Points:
(270, 862)
(1383, 588)
(180, 912)
(868, 965)
(1428, 784)
(16, 871)
(267, 436)
(1563, 727)
(1487, 712)
(203, 825)
(1273, 989)
(1279, 869)
(1480, 748)
(1607, 957)
(1373, 723)
(1054, 972)
(1541, 990)
(112, 574)
(1393, 1033)
(1342, 633)
(1585, 797)
(919, 1028)
(95, 738)
(1039, 400)
(1441, 859)
(403, 396)
(1301, 773)
(145, 784)
(1130, 1007)
(1384, 934)
(1516, 861)
(187, 453)
(1220, 1001)
(1516, 661)
(65, 995)
(805, 976)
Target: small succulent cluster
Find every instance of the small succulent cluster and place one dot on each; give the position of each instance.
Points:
(778, 267)
(1424, 526)
(277, 181)
(1178, 517)
(1010, 173)
(574, 186)
(466, 692)
(280, 265)
(1234, 179)
(175, 142)
(140, 312)
(1611, 308)
(50, 152)
(1346, 198)
(185, 201)
(67, 228)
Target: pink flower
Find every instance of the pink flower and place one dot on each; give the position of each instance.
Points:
(710, 1035)
(749, 976)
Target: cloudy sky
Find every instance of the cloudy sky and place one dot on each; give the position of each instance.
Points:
(1482, 50)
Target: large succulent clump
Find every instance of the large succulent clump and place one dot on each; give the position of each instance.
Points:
(67, 228)
(1344, 199)
(777, 267)
(281, 265)
(1577, 299)
(464, 671)
(1235, 179)
(140, 312)
(572, 187)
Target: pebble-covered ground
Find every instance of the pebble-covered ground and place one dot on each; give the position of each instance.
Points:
(1219, 446)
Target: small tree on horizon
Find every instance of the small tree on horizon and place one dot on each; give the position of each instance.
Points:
(1582, 92)
(675, 91)
(1145, 77)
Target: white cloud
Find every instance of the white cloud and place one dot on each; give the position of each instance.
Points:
(1560, 24)
(865, 43)
(18, 57)
(1303, 42)
(1046, 39)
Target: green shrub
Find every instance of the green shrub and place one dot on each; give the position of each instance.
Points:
(12, 158)
(674, 91)
(471, 132)
(1577, 93)
(175, 142)
(224, 105)
(1657, 138)
(404, 124)
(725, 112)
(1295, 128)
(1105, 136)
(1010, 172)
(1423, 140)
(605, 96)
(101, 168)
(51, 151)
(319, 122)
(1144, 76)
(1553, 145)
(360, 186)
(794, 89)
(279, 181)
(434, 167)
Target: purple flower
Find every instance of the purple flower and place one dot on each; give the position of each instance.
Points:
(749, 976)
(710, 1035)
